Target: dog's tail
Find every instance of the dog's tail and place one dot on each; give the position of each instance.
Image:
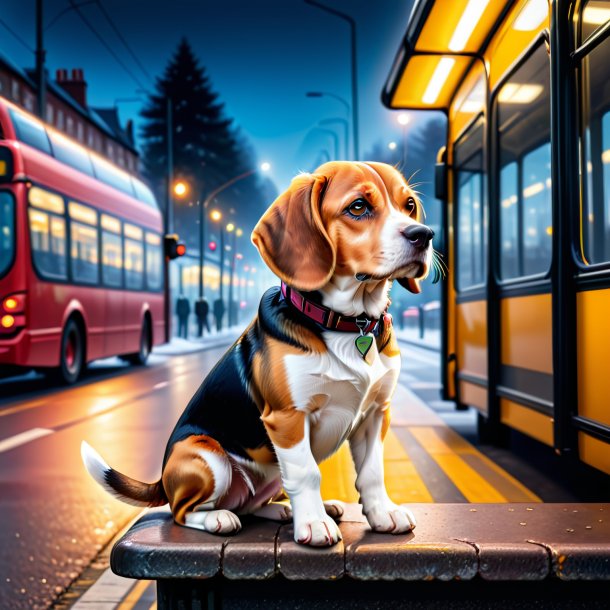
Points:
(119, 485)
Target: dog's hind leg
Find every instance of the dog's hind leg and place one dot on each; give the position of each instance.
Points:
(196, 477)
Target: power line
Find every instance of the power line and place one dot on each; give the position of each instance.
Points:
(122, 39)
(105, 44)
(11, 31)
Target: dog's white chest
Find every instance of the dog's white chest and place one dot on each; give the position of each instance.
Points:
(338, 388)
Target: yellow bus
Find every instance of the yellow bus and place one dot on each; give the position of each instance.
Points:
(525, 179)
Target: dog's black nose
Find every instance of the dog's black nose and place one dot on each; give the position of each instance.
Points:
(419, 236)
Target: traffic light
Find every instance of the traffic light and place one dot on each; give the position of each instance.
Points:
(173, 247)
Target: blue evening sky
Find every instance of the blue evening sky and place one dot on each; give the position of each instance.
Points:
(261, 56)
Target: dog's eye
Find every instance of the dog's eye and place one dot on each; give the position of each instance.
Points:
(411, 206)
(358, 208)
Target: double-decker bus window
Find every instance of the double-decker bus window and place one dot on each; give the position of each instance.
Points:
(48, 233)
(112, 251)
(30, 131)
(154, 260)
(144, 194)
(7, 231)
(594, 94)
(112, 176)
(83, 243)
(471, 207)
(523, 114)
(134, 257)
(70, 153)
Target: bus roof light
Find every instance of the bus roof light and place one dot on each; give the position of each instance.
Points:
(442, 71)
(470, 17)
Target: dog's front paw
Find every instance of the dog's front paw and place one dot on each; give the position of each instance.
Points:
(392, 519)
(214, 521)
(317, 532)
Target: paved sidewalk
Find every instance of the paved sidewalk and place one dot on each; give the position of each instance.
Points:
(431, 339)
(178, 346)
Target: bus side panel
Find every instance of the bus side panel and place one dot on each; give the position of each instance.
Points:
(472, 351)
(158, 316)
(133, 315)
(593, 331)
(527, 339)
(114, 340)
(530, 422)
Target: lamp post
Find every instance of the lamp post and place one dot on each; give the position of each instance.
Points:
(343, 122)
(216, 216)
(337, 119)
(236, 233)
(354, 54)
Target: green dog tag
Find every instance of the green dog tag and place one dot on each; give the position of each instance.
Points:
(363, 344)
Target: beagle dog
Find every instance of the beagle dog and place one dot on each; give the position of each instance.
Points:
(316, 367)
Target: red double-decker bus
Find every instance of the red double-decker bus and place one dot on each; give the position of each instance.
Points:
(81, 253)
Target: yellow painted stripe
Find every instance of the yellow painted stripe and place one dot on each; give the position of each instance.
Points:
(445, 447)
(153, 606)
(339, 477)
(134, 595)
(402, 480)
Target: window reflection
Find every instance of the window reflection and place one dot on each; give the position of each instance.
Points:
(7, 231)
(48, 242)
(525, 169)
(471, 208)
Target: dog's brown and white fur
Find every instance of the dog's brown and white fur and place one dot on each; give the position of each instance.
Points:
(289, 392)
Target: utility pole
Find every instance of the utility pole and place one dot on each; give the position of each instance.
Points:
(168, 220)
(40, 60)
(354, 54)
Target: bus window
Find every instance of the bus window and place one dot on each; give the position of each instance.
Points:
(30, 132)
(112, 176)
(143, 193)
(154, 260)
(523, 114)
(509, 242)
(47, 233)
(471, 207)
(134, 257)
(112, 252)
(83, 243)
(7, 231)
(595, 108)
(70, 153)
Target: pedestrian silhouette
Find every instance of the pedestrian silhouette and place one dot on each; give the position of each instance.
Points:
(202, 308)
(183, 309)
(219, 312)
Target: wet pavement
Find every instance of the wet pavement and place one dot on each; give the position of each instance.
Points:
(55, 519)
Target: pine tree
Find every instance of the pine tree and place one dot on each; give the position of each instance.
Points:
(207, 148)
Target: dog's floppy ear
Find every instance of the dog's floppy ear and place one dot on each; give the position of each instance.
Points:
(291, 237)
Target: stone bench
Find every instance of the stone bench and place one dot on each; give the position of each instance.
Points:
(470, 550)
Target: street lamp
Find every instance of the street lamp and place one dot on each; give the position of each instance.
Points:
(180, 188)
(392, 145)
(216, 216)
(236, 233)
(354, 57)
(325, 121)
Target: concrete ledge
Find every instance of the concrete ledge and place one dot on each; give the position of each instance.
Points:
(493, 542)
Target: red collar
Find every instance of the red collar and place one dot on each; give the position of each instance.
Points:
(328, 318)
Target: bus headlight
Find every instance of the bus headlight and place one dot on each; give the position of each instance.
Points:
(7, 321)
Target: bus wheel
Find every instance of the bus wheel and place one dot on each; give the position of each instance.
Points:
(72, 356)
(140, 357)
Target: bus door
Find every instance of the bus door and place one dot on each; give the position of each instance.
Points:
(523, 246)
(470, 273)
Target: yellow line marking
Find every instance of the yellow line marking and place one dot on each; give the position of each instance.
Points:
(154, 606)
(134, 595)
(402, 480)
(339, 477)
(445, 447)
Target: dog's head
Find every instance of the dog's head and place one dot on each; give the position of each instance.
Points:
(346, 219)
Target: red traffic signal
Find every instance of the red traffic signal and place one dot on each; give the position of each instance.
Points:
(173, 247)
(212, 246)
